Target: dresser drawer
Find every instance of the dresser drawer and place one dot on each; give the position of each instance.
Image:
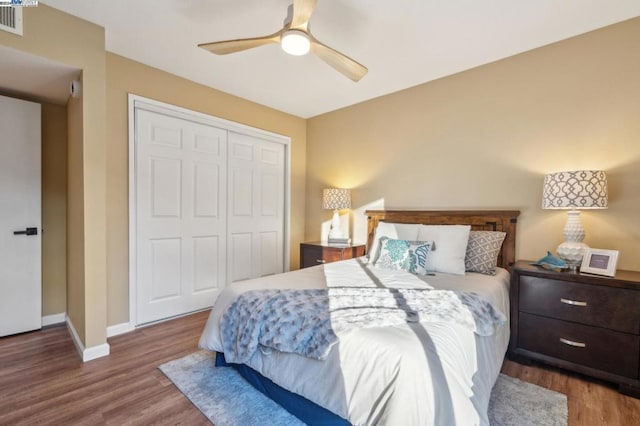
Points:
(607, 307)
(594, 347)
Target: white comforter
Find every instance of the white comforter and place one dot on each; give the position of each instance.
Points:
(410, 374)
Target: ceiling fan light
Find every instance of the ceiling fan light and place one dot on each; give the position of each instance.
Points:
(295, 42)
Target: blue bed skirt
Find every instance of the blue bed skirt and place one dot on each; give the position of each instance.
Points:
(307, 411)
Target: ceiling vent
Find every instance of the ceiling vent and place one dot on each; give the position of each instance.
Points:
(11, 19)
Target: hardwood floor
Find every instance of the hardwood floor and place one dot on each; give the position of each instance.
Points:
(42, 381)
(590, 402)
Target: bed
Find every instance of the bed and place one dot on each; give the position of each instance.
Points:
(413, 373)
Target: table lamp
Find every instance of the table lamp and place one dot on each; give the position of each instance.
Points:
(336, 199)
(574, 191)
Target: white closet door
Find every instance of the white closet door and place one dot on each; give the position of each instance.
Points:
(181, 215)
(20, 254)
(256, 207)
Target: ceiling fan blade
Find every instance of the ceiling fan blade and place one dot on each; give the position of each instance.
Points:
(302, 10)
(337, 60)
(232, 46)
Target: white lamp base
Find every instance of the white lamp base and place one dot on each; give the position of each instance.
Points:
(335, 232)
(572, 249)
(572, 253)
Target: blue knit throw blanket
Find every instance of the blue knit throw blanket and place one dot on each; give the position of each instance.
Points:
(308, 322)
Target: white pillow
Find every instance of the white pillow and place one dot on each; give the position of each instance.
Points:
(396, 231)
(449, 249)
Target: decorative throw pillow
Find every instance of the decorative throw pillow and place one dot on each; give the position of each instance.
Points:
(449, 247)
(410, 256)
(400, 231)
(483, 250)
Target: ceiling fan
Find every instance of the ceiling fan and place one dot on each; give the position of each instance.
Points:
(295, 39)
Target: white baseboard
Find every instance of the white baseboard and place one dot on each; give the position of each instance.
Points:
(54, 319)
(87, 354)
(114, 330)
(95, 352)
(75, 337)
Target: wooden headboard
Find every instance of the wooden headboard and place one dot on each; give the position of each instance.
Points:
(480, 220)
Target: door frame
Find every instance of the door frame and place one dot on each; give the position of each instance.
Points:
(140, 102)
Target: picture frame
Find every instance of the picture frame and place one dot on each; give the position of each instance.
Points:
(599, 262)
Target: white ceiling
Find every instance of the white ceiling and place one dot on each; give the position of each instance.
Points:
(403, 42)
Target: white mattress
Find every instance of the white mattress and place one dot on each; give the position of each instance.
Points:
(410, 374)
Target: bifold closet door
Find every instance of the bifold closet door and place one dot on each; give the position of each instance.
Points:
(256, 207)
(181, 192)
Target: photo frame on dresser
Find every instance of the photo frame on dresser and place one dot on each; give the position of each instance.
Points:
(599, 262)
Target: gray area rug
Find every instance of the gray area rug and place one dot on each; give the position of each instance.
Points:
(226, 399)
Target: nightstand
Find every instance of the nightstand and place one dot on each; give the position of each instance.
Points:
(317, 253)
(579, 322)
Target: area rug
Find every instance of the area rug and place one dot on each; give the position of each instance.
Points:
(226, 399)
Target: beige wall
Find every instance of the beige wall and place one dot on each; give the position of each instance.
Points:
(75, 218)
(97, 199)
(480, 139)
(125, 76)
(54, 209)
(63, 38)
(484, 139)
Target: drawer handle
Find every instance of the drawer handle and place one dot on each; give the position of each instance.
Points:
(321, 261)
(573, 302)
(572, 343)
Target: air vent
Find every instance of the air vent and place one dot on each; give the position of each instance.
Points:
(11, 19)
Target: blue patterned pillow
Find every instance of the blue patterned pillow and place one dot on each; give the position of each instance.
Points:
(410, 256)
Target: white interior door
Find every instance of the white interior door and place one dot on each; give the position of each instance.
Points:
(256, 207)
(181, 215)
(20, 208)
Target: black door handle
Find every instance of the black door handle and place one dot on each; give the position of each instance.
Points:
(28, 231)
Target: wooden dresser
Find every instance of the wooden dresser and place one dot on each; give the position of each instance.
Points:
(317, 253)
(580, 322)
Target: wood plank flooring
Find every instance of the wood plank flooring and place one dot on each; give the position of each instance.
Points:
(42, 381)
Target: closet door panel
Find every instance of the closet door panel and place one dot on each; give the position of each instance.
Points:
(256, 199)
(209, 209)
(181, 223)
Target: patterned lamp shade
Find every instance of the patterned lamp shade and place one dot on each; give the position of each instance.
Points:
(336, 199)
(580, 189)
